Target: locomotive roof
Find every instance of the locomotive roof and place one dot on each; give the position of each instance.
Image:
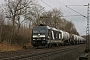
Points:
(43, 26)
(50, 28)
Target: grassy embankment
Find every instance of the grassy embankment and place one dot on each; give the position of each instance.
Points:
(7, 47)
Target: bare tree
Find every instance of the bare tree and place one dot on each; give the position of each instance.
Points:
(1, 25)
(51, 18)
(2, 18)
(36, 12)
(15, 10)
(69, 26)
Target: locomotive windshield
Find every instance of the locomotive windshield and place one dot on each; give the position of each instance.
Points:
(39, 30)
(35, 30)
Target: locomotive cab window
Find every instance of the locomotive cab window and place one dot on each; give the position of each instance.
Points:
(43, 30)
(39, 30)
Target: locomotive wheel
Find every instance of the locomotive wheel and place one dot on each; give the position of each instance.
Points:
(57, 44)
(48, 45)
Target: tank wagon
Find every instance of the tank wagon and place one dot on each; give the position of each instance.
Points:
(48, 36)
(65, 38)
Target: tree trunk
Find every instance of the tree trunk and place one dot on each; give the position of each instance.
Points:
(1, 34)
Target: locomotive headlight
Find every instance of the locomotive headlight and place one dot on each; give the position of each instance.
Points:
(38, 34)
(33, 39)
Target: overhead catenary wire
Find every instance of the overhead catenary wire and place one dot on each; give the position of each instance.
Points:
(67, 7)
(76, 5)
(47, 4)
(70, 15)
(76, 11)
(67, 16)
(73, 9)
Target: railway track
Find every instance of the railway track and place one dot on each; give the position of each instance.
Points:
(36, 54)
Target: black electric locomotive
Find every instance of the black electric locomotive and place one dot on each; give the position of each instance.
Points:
(45, 36)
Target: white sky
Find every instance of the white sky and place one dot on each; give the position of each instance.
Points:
(79, 21)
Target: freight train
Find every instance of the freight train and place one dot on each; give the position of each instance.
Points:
(48, 37)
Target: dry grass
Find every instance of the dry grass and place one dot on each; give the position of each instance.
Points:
(7, 47)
